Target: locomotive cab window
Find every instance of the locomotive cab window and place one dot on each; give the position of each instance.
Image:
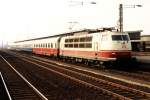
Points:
(125, 37)
(120, 38)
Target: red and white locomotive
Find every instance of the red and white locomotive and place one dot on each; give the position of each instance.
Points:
(97, 46)
(106, 46)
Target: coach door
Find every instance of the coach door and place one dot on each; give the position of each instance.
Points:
(58, 47)
(96, 49)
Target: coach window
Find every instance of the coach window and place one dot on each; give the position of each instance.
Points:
(66, 45)
(89, 45)
(70, 45)
(66, 40)
(82, 39)
(51, 45)
(48, 45)
(88, 39)
(76, 40)
(70, 40)
(75, 45)
(82, 45)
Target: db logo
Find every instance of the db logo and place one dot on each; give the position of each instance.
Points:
(124, 46)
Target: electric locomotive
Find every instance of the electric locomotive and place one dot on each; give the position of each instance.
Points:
(100, 47)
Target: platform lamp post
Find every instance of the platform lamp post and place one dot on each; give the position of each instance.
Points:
(121, 6)
(81, 3)
(75, 3)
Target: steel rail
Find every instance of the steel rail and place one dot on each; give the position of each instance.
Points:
(83, 82)
(28, 83)
(100, 80)
(5, 86)
(85, 70)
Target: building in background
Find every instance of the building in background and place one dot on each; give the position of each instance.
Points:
(135, 37)
(145, 42)
(139, 42)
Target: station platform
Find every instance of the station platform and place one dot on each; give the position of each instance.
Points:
(143, 57)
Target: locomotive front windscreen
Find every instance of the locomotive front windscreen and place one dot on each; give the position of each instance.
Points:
(120, 38)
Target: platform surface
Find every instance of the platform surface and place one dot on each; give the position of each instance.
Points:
(143, 57)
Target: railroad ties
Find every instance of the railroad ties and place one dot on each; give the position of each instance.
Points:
(18, 88)
(71, 82)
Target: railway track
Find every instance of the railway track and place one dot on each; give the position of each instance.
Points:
(81, 77)
(135, 74)
(18, 87)
(54, 86)
(3, 89)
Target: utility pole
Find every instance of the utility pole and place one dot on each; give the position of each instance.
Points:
(120, 17)
(121, 6)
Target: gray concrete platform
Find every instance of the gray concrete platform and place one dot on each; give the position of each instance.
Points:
(143, 57)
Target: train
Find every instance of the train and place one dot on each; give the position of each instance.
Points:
(99, 47)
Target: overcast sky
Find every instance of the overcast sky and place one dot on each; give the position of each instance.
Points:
(25, 19)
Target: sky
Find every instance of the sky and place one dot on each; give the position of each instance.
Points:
(26, 19)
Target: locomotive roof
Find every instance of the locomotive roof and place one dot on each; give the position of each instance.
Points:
(89, 31)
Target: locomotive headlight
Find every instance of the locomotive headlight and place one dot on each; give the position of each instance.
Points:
(113, 53)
